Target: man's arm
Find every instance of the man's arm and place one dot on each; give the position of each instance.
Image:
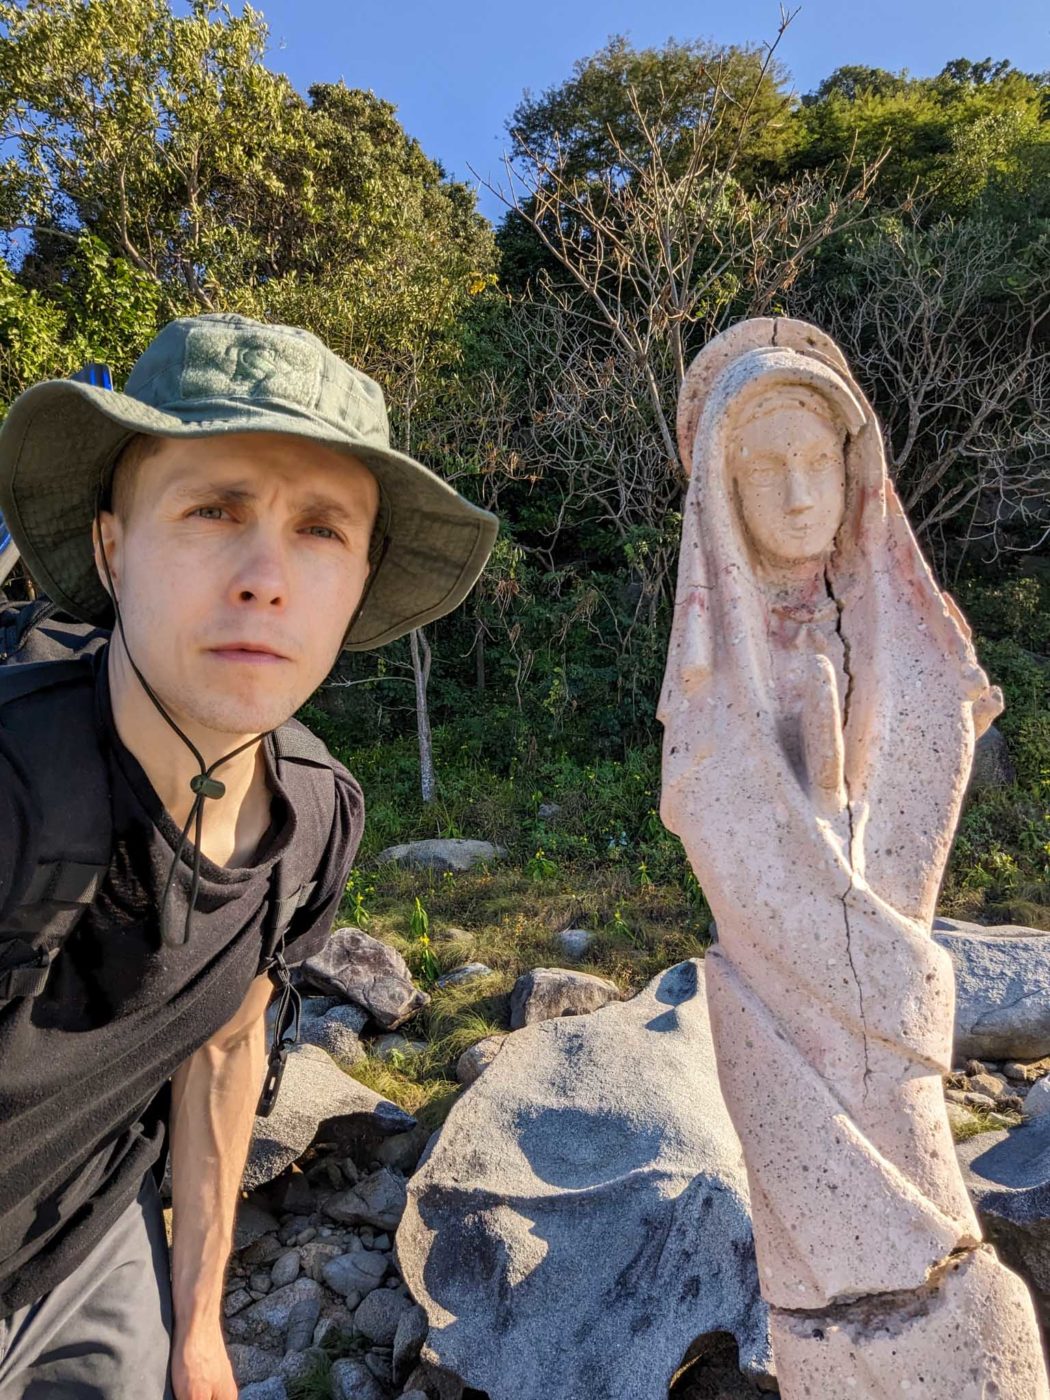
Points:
(214, 1095)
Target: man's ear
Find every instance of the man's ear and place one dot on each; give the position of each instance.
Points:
(106, 535)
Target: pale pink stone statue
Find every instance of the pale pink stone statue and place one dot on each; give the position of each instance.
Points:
(820, 708)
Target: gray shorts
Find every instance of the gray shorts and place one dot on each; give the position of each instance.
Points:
(105, 1332)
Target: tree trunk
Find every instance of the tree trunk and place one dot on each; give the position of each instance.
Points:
(421, 671)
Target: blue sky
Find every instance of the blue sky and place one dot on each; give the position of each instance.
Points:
(455, 70)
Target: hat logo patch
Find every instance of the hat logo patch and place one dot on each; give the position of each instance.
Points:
(220, 366)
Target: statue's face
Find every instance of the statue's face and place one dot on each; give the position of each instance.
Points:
(787, 463)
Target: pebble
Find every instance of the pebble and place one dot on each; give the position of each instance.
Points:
(235, 1301)
(272, 1389)
(379, 1364)
(991, 1084)
(260, 1282)
(412, 1329)
(359, 1271)
(302, 1320)
(251, 1363)
(378, 1315)
(1037, 1100)
(352, 1380)
(379, 1200)
(286, 1269)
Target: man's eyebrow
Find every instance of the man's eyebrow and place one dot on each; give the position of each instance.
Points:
(315, 503)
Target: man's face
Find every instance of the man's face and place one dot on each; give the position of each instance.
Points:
(238, 562)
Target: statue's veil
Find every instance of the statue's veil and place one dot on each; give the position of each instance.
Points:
(914, 681)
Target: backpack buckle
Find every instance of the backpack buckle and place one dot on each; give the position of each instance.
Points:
(274, 1075)
(285, 1035)
(27, 979)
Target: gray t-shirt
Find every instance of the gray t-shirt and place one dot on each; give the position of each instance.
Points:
(84, 1066)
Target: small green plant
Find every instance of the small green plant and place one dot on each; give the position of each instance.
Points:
(420, 929)
(644, 880)
(541, 867)
(619, 927)
(358, 891)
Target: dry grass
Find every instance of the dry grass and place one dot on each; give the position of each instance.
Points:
(501, 917)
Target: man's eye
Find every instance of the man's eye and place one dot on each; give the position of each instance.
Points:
(208, 512)
(324, 532)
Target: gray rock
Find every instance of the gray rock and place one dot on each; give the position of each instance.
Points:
(441, 854)
(286, 1268)
(1008, 1177)
(1002, 989)
(547, 811)
(992, 768)
(357, 1272)
(275, 1310)
(251, 1364)
(394, 1044)
(378, 1362)
(272, 1389)
(317, 1254)
(338, 1032)
(413, 1395)
(315, 1094)
(253, 1221)
(1037, 1100)
(352, 1380)
(235, 1301)
(478, 1057)
(469, 972)
(359, 968)
(378, 1200)
(549, 992)
(582, 1217)
(404, 1150)
(302, 1320)
(575, 941)
(296, 1364)
(412, 1329)
(379, 1313)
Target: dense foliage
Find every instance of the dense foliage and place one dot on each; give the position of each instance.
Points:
(154, 166)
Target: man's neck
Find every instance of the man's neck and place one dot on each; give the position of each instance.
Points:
(232, 824)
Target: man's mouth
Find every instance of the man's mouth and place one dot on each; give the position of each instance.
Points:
(250, 653)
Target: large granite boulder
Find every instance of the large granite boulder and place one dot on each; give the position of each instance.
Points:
(315, 1093)
(549, 992)
(1008, 1177)
(441, 854)
(1002, 989)
(583, 1216)
(358, 968)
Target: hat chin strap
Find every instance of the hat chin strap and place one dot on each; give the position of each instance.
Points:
(202, 784)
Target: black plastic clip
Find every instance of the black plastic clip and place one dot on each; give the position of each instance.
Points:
(285, 1035)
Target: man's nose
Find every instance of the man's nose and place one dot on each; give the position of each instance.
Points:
(262, 572)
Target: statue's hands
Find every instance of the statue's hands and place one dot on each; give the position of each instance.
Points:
(823, 749)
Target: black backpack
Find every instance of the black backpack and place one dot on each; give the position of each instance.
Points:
(47, 709)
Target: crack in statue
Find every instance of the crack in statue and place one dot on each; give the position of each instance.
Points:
(820, 706)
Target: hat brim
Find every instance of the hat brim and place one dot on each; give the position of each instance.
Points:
(60, 436)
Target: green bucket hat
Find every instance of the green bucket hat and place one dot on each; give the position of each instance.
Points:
(212, 374)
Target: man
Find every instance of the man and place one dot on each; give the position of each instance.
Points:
(239, 514)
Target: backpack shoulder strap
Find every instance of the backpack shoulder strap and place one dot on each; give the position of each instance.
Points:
(48, 710)
(305, 769)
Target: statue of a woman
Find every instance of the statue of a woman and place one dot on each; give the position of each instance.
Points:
(820, 707)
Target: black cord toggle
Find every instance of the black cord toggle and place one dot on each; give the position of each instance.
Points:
(205, 786)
